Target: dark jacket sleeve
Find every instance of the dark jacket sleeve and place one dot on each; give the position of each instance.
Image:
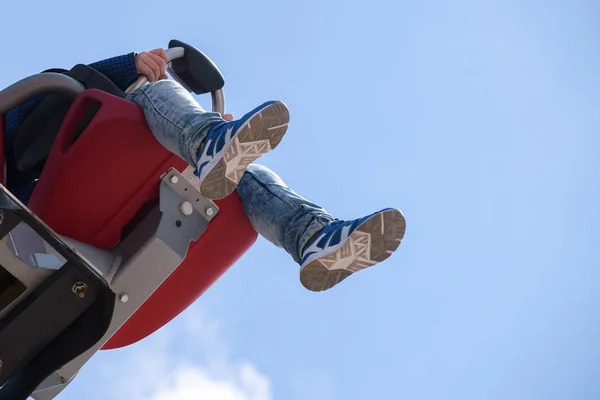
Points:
(121, 69)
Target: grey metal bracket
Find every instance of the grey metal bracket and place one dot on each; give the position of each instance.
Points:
(143, 260)
(186, 214)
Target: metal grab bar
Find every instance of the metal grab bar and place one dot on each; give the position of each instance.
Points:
(218, 97)
(44, 83)
(172, 54)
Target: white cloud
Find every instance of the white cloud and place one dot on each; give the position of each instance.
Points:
(189, 359)
(191, 383)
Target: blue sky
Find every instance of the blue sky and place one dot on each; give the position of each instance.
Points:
(478, 119)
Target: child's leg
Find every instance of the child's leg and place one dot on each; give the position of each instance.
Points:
(327, 249)
(219, 150)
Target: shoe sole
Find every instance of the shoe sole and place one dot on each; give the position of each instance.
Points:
(372, 242)
(257, 136)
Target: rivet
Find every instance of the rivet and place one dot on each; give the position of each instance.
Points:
(80, 289)
(186, 208)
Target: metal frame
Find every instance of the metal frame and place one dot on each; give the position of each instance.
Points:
(160, 240)
(55, 301)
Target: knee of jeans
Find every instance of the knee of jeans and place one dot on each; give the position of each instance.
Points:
(255, 182)
(254, 168)
(249, 183)
(162, 85)
(264, 175)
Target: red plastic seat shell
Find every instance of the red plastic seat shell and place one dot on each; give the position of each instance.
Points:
(93, 188)
(229, 236)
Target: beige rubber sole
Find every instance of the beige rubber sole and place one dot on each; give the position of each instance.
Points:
(259, 135)
(371, 243)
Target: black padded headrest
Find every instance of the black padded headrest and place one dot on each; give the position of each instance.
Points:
(39, 129)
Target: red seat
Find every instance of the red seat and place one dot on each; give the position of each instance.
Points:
(90, 190)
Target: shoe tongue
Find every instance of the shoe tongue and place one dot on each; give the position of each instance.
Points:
(335, 223)
(330, 227)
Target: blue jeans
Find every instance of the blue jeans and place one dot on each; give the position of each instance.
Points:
(276, 212)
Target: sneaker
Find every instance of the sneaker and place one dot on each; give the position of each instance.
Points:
(344, 247)
(231, 146)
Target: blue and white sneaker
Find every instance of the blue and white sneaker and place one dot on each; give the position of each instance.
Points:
(231, 146)
(344, 247)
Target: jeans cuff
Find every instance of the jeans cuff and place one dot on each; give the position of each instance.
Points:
(318, 224)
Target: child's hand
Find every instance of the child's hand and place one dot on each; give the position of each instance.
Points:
(228, 117)
(152, 64)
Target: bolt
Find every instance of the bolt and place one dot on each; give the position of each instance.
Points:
(80, 289)
(174, 179)
(123, 297)
(210, 211)
(186, 208)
